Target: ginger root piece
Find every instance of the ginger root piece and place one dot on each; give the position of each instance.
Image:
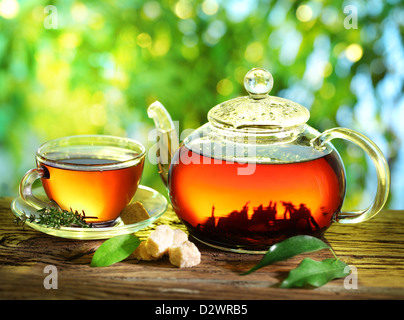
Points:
(141, 253)
(185, 255)
(134, 213)
(164, 240)
(159, 241)
(179, 237)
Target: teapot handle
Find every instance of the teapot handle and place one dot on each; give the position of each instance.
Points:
(382, 171)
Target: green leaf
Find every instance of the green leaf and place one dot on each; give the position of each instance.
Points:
(315, 273)
(289, 248)
(114, 250)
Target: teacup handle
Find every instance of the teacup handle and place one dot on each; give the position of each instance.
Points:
(382, 171)
(26, 189)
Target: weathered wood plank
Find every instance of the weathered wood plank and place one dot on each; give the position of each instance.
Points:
(375, 248)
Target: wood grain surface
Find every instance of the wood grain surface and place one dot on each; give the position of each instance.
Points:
(375, 248)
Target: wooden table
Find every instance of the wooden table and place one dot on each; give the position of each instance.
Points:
(375, 248)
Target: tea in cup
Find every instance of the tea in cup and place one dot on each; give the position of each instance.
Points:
(94, 174)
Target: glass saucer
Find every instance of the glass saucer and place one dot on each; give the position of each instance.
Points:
(154, 202)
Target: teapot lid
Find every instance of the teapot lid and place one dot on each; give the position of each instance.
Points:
(258, 110)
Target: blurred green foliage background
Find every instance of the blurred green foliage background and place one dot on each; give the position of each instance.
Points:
(83, 67)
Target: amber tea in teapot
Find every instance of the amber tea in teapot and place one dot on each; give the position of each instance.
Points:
(276, 201)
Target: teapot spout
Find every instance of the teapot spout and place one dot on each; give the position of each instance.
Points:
(167, 138)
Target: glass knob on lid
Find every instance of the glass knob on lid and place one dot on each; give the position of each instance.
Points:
(258, 83)
(259, 110)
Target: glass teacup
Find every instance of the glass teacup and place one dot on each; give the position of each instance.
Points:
(94, 174)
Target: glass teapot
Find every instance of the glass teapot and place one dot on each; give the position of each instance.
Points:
(256, 173)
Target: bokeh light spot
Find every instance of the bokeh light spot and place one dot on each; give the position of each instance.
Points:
(152, 9)
(184, 9)
(69, 40)
(143, 40)
(79, 12)
(210, 7)
(254, 52)
(9, 8)
(354, 52)
(304, 13)
(225, 87)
